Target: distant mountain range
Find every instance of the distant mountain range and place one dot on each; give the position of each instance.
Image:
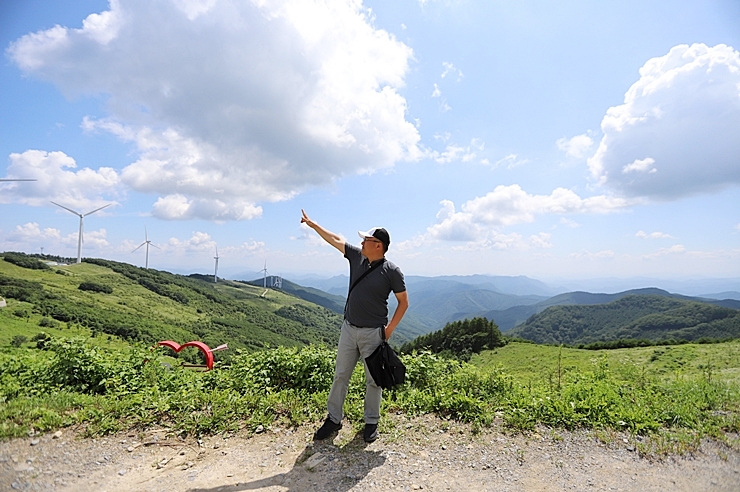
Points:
(244, 316)
(508, 301)
(635, 315)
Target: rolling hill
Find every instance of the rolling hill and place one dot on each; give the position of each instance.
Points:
(507, 319)
(136, 304)
(646, 316)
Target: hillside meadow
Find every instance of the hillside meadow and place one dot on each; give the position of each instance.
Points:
(541, 363)
(100, 390)
(139, 305)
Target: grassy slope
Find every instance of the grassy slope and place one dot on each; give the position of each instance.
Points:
(233, 313)
(539, 363)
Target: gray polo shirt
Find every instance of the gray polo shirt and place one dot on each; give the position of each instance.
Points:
(367, 305)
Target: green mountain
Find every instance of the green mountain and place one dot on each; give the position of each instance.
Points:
(650, 317)
(136, 304)
(329, 301)
(514, 316)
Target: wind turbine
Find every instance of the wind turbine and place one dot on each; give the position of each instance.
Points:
(264, 280)
(147, 242)
(81, 216)
(215, 273)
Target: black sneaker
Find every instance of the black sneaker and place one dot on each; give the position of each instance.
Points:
(326, 430)
(371, 432)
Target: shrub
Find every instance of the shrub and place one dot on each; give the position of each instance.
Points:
(20, 313)
(21, 260)
(18, 340)
(93, 287)
(41, 340)
(47, 322)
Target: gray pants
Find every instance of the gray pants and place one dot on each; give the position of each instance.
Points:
(355, 342)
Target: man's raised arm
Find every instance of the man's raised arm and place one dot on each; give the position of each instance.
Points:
(327, 236)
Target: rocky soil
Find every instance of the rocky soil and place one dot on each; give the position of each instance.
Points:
(412, 454)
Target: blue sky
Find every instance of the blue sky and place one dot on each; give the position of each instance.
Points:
(576, 139)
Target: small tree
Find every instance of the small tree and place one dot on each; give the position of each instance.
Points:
(18, 340)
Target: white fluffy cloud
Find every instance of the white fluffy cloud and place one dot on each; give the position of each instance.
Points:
(233, 103)
(31, 233)
(653, 235)
(577, 146)
(481, 217)
(57, 179)
(677, 132)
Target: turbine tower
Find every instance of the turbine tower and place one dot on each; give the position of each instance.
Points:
(264, 279)
(79, 235)
(215, 272)
(147, 242)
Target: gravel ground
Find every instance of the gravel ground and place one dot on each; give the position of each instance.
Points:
(418, 454)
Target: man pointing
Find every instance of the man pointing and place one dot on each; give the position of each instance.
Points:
(371, 278)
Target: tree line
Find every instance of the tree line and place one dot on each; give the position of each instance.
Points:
(459, 339)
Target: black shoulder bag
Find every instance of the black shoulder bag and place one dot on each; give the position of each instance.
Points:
(384, 365)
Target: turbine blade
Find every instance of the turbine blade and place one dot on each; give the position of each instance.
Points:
(139, 246)
(97, 209)
(67, 209)
(154, 245)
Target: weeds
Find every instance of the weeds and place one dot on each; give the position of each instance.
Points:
(72, 383)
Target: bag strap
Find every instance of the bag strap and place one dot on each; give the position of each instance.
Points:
(365, 274)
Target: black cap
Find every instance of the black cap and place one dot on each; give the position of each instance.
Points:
(378, 233)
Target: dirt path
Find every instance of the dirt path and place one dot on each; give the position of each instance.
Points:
(418, 454)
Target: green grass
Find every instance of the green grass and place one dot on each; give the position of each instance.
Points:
(72, 382)
(529, 362)
(149, 305)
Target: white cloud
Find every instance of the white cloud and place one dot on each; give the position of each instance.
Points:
(682, 118)
(436, 92)
(569, 223)
(541, 240)
(577, 146)
(56, 179)
(313, 239)
(600, 255)
(653, 235)
(233, 103)
(737, 227)
(198, 242)
(510, 205)
(31, 233)
(449, 68)
(673, 250)
(92, 239)
(641, 166)
(511, 161)
(456, 152)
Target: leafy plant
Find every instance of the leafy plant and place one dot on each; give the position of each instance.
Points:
(18, 340)
(93, 287)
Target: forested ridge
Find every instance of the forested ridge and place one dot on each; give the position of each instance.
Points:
(459, 339)
(633, 317)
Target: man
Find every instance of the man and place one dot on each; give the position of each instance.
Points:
(365, 315)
